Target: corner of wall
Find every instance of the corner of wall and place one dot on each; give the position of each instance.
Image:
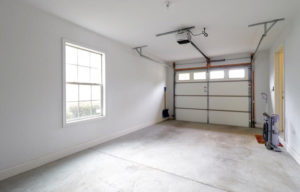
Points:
(293, 153)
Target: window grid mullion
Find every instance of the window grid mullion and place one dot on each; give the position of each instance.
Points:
(101, 72)
(78, 115)
(101, 87)
(101, 98)
(91, 98)
(91, 86)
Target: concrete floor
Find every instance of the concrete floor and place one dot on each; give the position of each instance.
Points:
(172, 156)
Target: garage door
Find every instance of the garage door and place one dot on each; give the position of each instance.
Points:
(217, 96)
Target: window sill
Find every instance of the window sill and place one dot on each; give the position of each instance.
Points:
(86, 120)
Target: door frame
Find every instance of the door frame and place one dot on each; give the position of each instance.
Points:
(279, 85)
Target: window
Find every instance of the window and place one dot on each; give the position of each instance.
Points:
(216, 74)
(237, 73)
(184, 76)
(199, 75)
(83, 76)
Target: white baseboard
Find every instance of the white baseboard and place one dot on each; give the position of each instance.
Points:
(9, 172)
(290, 150)
(293, 153)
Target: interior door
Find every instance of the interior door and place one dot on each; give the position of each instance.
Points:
(279, 88)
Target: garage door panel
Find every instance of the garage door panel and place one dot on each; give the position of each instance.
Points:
(229, 88)
(229, 103)
(191, 115)
(229, 118)
(191, 102)
(190, 89)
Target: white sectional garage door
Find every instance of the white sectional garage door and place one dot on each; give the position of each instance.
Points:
(215, 98)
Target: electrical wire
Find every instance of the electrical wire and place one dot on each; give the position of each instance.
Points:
(196, 34)
(202, 33)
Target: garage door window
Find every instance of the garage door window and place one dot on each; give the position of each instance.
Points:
(217, 74)
(237, 73)
(83, 74)
(184, 77)
(199, 76)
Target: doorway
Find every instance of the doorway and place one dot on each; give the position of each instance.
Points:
(279, 89)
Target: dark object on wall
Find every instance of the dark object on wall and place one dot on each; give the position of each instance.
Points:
(165, 112)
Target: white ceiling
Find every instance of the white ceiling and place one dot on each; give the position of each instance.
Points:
(135, 22)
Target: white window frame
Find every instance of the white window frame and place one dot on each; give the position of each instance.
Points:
(190, 78)
(218, 79)
(205, 79)
(103, 71)
(237, 78)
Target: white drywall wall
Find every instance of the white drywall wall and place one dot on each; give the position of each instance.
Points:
(290, 40)
(170, 90)
(261, 68)
(31, 88)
